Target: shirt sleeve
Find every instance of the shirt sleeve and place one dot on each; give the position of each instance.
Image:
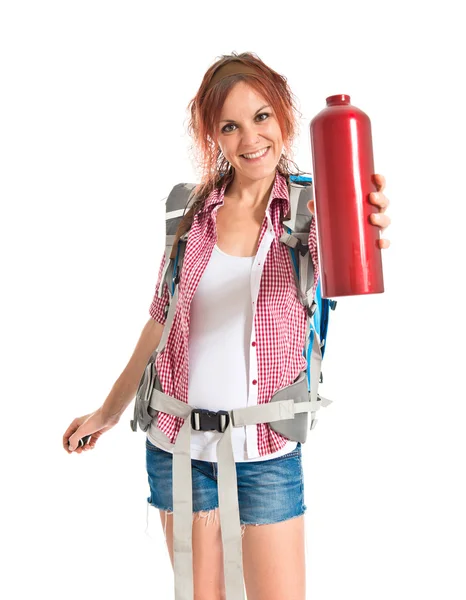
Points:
(157, 307)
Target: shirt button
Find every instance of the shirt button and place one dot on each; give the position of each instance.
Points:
(254, 381)
(253, 343)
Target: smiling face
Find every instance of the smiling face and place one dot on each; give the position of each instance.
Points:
(248, 125)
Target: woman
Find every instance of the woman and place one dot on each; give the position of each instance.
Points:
(240, 328)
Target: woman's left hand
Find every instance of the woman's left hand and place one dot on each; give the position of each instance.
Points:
(378, 218)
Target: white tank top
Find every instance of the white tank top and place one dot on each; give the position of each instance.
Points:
(219, 336)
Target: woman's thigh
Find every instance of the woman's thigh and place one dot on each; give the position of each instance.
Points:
(271, 496)
(208, 572)
(274, 563)
(271, 491)
(159, 465)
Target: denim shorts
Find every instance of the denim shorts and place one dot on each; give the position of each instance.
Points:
(269, 491)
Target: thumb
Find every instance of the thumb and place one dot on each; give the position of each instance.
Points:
(81, 432)
(73, 441)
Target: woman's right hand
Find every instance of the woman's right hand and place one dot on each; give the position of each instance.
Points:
(94, 423)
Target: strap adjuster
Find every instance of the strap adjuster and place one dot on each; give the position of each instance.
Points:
(176, 278)
(208, 420)
(312, 309)
(302, 248)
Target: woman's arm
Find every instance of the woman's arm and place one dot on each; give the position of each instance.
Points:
(125, 387)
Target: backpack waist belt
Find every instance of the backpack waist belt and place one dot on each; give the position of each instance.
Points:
(227, 482)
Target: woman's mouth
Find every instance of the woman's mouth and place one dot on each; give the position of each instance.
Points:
(256, 156)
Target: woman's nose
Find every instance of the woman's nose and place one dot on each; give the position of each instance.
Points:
(250, 138)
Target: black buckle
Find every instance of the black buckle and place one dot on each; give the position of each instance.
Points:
(312, 309)
(176, 278)
(207, 420)
(301, 248)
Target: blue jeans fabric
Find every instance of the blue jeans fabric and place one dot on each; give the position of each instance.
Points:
(269, 491)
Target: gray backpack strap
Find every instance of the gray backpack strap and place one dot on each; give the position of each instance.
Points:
(300, 217)
(173, 295)
(177, 204)
(300, 223)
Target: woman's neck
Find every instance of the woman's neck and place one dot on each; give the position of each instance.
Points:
(249, 194)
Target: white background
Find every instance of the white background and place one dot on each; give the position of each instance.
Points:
(93, 137)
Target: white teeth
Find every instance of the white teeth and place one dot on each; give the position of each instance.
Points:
(256, 154)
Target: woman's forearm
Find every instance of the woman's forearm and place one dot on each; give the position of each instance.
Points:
(125, 387)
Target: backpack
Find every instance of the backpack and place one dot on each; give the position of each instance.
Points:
(295, 236)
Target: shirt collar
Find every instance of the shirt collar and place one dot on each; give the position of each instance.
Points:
(279, 192)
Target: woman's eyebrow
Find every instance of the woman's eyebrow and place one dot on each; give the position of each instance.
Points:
(258, 110)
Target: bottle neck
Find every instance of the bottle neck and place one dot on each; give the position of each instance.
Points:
(338, 99)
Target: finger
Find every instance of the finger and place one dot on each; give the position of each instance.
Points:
(76, 446)
(68, 433)
(95, 436)
(379, 199)
(80, 449)
(380, 219)
(311, 206)
(65, 443)
(73, 441)
(383, 243)
(379, 181)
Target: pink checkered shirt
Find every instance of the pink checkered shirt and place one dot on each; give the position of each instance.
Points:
(279, 321)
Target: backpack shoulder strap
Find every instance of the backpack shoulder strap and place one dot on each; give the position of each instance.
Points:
(300, 190)
(296, 236)
(178, 202)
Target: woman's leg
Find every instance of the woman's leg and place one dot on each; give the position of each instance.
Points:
(209, 583)
(274, 560)
(206, 534)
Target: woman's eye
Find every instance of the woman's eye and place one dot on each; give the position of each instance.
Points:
(225, 130)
